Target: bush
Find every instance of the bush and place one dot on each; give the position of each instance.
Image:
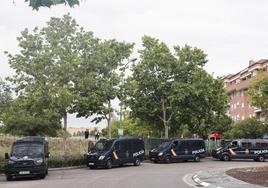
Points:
(2, 168)
(70, 161)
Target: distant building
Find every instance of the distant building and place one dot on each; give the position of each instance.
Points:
(237, 86)
(73, 130)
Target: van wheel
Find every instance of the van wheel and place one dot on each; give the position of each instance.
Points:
(92, 167)
(261, 158)
(42, 176)
(9, 178)
(137, 162)
(196, 158)
(225, 158)
(109, 164)
(167, 159)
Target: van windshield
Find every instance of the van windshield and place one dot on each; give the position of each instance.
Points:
(103, 145)
(164, 145)
(32, 150)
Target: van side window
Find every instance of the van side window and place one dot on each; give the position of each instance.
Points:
(258, 145)
(264, 145)
(116, 146)
(246, 145)
(184, 145)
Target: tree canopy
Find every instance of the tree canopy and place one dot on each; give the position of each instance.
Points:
(36, 4)
(169, 90)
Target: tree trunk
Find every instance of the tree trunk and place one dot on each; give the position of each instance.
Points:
(65, 121)
(164, 109)
(109, 121)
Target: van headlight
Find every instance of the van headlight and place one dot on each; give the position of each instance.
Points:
(10, 162)
(38, 162)
(101, 157)
(160, 154)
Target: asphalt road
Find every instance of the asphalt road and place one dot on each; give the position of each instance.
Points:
(148, 175)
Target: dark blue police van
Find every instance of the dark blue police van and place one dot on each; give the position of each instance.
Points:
(256, 149)
(179, 150)
(116, 152)
(28, 158)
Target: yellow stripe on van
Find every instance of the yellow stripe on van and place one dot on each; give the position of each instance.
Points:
(173, 152)
(232, 151)
(115, 155)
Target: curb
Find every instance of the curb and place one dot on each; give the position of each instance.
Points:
(67, 168)
(202, 183)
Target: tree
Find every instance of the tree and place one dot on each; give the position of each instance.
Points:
(99, 87)
(258, 92)
(249, 128)
(172, 90)
(5, 95)
(26, 118)
(36, 4)
(48, 63)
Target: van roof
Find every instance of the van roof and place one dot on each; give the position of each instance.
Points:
(31, 139)
(126, 138)
(251, 140)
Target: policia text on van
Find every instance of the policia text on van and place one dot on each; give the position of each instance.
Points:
(179, 149)
(28, 157)
(256, 149)
(107, 153)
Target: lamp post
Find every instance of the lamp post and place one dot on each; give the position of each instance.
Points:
(122, 69)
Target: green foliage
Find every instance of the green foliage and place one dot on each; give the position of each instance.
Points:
(70, 161)
(23, 118)
(36, 4)
(167, 91)
(248, 128)
(131, 127)
(258, 92)
(5, 95)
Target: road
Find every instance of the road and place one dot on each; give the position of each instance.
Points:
(148, 175)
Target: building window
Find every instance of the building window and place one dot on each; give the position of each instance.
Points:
(242, 105)
(237, 117)
(237, 105)
(242, 93)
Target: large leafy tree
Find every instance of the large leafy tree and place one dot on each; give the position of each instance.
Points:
(248, 128)
(36, 4)
(48, 63)
(169, 90)
(99, 87)
(5, 95)
(258, 92)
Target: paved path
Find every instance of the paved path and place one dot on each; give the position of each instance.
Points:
(148, 175)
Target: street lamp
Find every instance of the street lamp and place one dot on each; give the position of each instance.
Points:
(122, 69)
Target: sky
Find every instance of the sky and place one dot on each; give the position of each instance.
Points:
(230, 32)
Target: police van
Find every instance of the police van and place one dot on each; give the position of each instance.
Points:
(28, 158)
(256, 149)
(116, 152)
(179, 150)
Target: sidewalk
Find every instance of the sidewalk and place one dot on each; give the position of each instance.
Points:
(219, 179)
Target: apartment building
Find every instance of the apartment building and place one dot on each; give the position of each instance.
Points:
(237, 86)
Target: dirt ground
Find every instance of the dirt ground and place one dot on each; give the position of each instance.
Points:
(257, 175)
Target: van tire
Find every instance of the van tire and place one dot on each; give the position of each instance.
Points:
(261, 158)
(197, 158)
(42, 176)
(108, 164)
(137, 162)
(92, 167)
(226, 158)
(167, 159)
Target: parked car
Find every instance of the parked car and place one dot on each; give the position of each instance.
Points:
(28, 158)
(256, 149)
(179, 150)
(116, 152)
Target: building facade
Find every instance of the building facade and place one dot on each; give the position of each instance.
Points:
(237, 86)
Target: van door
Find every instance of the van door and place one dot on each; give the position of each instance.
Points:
(123, 151)
(183, 150)
(116, 153)
(233, 150)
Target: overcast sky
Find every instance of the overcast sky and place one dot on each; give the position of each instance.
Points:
(230, 32)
